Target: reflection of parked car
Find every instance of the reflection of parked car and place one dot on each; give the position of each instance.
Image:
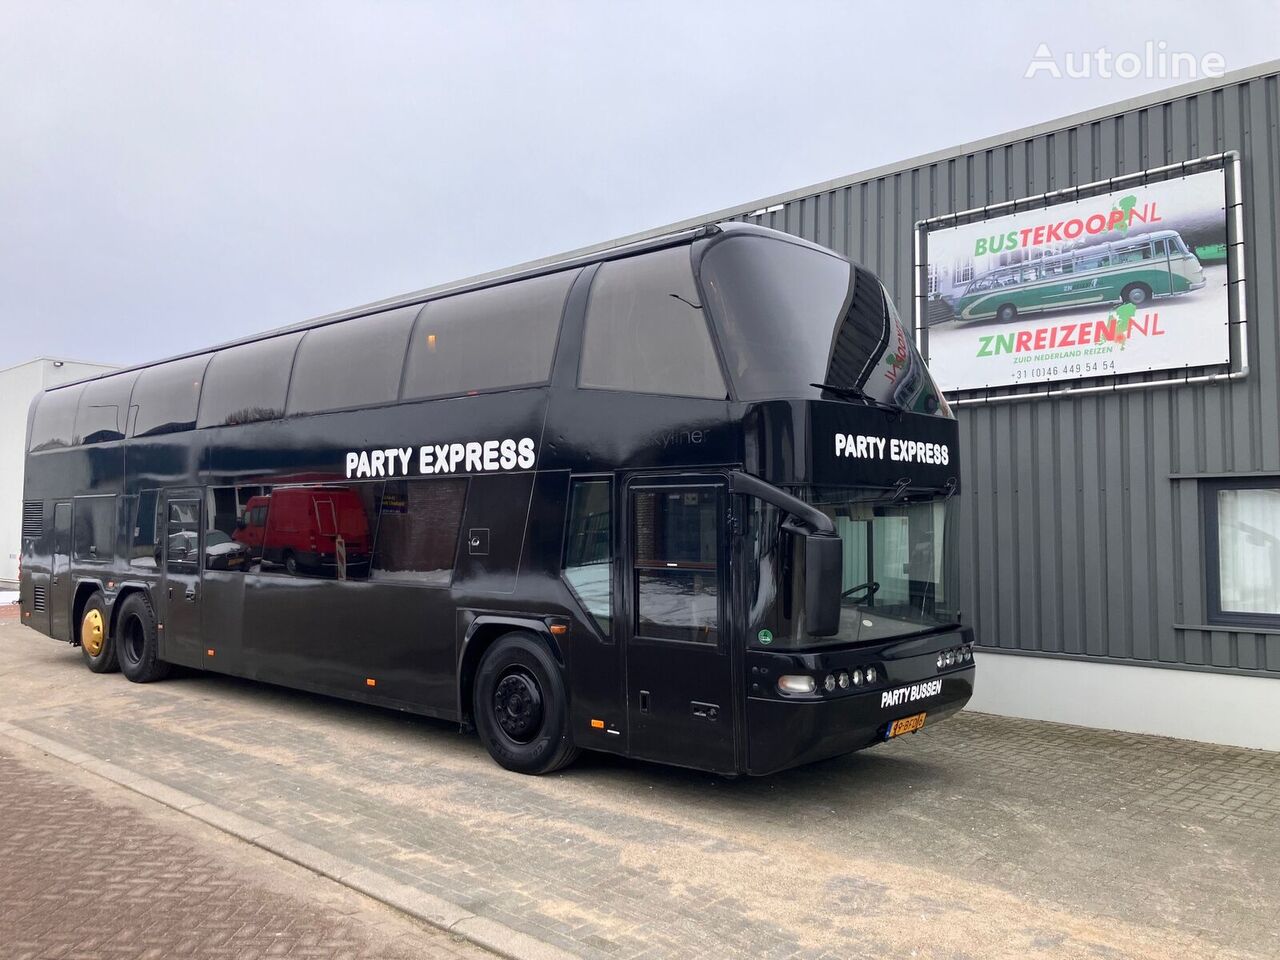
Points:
(1133, 270)
(223, 553)
(220, 551)
(299, 528)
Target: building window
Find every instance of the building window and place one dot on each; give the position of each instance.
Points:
(1242, 529)
(588, 551)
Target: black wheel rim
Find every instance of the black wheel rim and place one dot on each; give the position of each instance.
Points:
(134, 639)
(517, 705)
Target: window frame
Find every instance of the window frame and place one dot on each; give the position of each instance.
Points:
(1210, 531)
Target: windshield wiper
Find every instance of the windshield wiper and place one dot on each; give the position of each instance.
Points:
(856, 395)
(871, 586)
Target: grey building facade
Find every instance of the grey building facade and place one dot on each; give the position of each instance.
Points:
(1088, 542)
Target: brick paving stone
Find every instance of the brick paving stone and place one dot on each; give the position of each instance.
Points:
(982, 837)
(85, 873)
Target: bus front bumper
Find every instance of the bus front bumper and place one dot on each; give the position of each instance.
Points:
(786, 732)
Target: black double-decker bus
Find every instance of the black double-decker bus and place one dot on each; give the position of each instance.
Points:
(688, 500)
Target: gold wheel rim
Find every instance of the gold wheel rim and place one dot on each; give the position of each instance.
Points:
(92, 633)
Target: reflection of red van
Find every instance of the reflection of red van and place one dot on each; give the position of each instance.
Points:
(298, 528)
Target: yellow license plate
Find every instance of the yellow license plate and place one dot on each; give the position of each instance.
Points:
(906, 725)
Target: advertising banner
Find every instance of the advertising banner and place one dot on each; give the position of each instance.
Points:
(1114, 284)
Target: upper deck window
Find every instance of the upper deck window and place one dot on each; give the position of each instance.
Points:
(777, 305)
(166, 396)
(646, 331)
(54, 423)
(248, 383)
(103, 412)
(791, 316)
(498, 337)
(354, 363)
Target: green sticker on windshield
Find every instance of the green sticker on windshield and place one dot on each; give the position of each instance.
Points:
(765, 636)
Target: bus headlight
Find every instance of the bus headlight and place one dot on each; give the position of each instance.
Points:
(843, 680)
(794, 683)
(829, 684)
(857, 678)
(871, 674)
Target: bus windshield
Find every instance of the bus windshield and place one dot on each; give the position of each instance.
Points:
(898, 567)
(842, 330)
(896, 562)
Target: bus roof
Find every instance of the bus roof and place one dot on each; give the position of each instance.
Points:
(466, 286)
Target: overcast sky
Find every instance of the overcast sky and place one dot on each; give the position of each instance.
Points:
(175, 174)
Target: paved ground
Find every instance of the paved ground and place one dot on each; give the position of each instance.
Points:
(88, 869)
(980, 838)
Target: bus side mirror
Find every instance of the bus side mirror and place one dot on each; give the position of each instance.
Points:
(823, 577)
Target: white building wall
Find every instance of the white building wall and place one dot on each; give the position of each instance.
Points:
(18, 385)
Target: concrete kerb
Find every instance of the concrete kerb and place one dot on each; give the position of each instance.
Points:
(424, 907)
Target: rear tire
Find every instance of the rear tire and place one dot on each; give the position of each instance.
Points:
(138, 641)
(96, 644)
(521, 706)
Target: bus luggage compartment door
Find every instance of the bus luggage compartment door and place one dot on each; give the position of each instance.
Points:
(679, 686)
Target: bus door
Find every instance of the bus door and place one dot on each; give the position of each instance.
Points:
(678, 666)
(60, 573)
(180, 582)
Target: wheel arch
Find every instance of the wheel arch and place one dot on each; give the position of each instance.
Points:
(481, 634)
(85, 588)
(126, 590)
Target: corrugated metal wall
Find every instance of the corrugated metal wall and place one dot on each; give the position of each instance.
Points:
(1081, 526)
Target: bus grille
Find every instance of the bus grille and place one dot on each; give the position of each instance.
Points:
(32, 518)
(38, 592)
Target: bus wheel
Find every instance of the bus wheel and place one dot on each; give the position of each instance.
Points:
(1136, 293)
(138, 643)
(1006, 312)
(97, 647)
(521, 707)
(290, 563)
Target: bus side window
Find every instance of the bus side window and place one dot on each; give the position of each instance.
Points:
(588, 550)
(646, 331)
(93, 529)
(418, 524)
(143, 546)
(182, 533)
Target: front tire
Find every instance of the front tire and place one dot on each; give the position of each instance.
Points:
(1006, 312)
(96, 644)
(521, 706)
(138, 641)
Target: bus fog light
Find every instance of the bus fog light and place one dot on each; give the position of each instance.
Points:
(829, 684)
(843, 680)
(871, 674)
(796, 684)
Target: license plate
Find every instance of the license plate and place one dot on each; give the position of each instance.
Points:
(906, 725)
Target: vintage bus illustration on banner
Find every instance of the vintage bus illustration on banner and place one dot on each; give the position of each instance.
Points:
(1135, 270)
